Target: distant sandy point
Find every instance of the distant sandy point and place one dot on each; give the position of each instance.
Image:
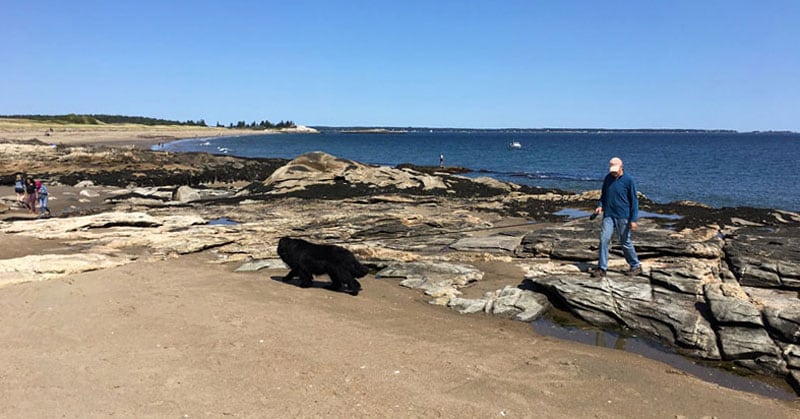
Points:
(110, 134)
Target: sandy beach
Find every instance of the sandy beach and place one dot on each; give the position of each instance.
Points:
(107, 134)
(188, 336)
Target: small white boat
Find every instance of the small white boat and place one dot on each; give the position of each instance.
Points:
(514, 145)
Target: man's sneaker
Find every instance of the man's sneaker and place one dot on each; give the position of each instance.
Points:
(634, 271)
(599, 273)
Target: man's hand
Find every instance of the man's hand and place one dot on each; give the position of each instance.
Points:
(634, 225)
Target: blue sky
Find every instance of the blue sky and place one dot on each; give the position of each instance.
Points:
(526, 64)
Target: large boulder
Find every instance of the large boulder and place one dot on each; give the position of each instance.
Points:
(318, 168)
(186, 194)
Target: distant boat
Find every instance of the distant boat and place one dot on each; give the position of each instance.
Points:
(514, 145)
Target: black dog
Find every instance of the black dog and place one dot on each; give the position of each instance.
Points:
(306, 259)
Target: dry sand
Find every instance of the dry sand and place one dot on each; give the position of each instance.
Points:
(108, 134)
(189, 337)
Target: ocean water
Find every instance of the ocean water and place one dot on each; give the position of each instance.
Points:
(715, 168)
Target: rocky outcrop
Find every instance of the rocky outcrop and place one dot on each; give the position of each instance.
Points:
(724, 289)
(688, 295)
(323, 169)
(43, 267)
(442, 281)
(503, 243)
(765, 257)
(318, 175)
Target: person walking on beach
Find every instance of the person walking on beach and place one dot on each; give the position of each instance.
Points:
(30, 194)
(441, 160)
(619, 206)
(19, 188)
(41, 193)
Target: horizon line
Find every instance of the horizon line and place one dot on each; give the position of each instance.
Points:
(398, 127)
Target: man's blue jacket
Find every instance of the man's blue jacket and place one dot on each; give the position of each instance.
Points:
(618, 198)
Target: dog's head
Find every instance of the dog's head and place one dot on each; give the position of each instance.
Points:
(283, 246)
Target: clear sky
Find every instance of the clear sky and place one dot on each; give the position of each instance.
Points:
(474, 64)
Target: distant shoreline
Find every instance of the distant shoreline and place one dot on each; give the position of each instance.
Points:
(11, 128)
(399, 130)
(373, 131)
(18, 130)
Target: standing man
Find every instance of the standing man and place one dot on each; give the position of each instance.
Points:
(441, 160)
(620, 208)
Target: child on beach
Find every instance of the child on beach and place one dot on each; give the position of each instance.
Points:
(19, 188)
(41, 192)
(30, 194)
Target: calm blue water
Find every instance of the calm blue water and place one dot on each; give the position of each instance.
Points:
(717, 169)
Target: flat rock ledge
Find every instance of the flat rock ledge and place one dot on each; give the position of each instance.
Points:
(442, 281)
(725, 290)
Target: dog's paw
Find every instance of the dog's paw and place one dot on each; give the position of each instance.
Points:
(352, 290)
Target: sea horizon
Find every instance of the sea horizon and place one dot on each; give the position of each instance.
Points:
(414, 128)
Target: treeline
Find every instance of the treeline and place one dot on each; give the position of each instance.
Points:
(93, 119)
(261, 125)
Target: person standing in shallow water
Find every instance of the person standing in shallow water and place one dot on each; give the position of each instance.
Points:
(619, 206)
(441, 160)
